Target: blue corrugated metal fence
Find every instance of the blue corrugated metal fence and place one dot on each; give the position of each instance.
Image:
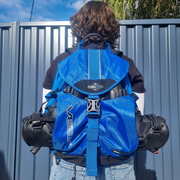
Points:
(27, 50)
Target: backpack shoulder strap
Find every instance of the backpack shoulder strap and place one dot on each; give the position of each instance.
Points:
(118, 53)
(73, 49)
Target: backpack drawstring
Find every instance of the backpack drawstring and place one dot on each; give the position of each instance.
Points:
(74, 173)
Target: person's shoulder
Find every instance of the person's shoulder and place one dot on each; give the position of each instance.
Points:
(51, 72)
(135, 76)
(131, 62)
(54, 65)
(121, 55)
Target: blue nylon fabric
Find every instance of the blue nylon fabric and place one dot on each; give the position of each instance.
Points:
(117, 128)
(91, 159)
(92, 142)
(92, 133)
(94, 123)
(75, 67)
(93, 64)
(58, 84)
(118, 117)
(127, 84)
(80, 124)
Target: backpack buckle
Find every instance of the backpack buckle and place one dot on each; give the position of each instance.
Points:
(93, 108)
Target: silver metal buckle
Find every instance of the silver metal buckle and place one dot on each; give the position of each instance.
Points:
(93, 108)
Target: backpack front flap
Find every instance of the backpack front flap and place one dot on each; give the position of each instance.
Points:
(85, 125)
(92, 64)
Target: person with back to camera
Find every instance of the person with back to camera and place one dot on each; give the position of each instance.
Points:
(95, 17)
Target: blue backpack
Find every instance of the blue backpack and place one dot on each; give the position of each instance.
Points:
(95, 116)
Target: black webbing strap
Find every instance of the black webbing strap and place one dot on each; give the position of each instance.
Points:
(156, 123)
(44, 119)
(118, 53)
(71, 50)
(134, 96)
(39, 117)
(116, 92)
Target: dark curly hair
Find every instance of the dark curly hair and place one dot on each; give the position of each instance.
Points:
(95, 17)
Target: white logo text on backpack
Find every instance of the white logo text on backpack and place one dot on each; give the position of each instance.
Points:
(69, 124)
